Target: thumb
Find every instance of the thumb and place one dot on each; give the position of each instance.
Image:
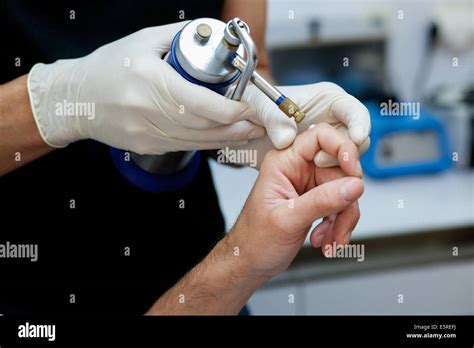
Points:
(324, 200)
(354, 115)
(281, 129)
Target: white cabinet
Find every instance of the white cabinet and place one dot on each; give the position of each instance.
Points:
(438, 289)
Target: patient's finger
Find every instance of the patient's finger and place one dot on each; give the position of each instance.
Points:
(326, 245)
(345, 223)
(323, 175)
(347, 219)
(319, 232)
(323, 160)
(325, 137)
(323, 200)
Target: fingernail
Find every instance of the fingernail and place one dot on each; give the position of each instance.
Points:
(322, 227)
(347, 239)
(323, 160)
(318, 240)
(350, 189)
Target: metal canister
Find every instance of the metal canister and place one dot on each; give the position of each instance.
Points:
(209, 53)
(200, 53)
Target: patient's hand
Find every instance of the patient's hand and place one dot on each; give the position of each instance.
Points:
(291, 193)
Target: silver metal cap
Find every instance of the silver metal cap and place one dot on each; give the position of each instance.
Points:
(203, 32)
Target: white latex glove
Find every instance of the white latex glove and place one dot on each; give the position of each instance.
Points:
(322, 102)
(133, 100)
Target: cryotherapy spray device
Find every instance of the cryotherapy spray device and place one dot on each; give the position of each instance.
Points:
(209, 53)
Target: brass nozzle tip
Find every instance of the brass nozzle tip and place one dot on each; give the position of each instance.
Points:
(291, 109)
(299, 115)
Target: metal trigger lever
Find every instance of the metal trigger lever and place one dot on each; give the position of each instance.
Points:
(242, 31)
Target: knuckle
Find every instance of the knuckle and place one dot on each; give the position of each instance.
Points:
(147, 31)
(228, 117)
(331, 86)
(140, 67)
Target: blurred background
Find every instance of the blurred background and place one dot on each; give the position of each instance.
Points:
(417, 224)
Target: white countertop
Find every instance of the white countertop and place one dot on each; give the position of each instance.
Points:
(430, 202)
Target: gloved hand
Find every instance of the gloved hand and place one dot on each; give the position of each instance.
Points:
(322, 102)
(124, 95)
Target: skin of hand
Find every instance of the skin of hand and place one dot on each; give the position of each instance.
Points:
(322, 102)
(18, 132)
(289, 194)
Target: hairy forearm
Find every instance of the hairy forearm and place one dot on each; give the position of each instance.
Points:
(220, 285)
(20, 141)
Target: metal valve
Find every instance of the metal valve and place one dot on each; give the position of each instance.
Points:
(238, 31)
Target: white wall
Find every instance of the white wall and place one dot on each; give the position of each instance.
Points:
(288, 23)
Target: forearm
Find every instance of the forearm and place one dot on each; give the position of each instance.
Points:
(20, 141)
(220, 285)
